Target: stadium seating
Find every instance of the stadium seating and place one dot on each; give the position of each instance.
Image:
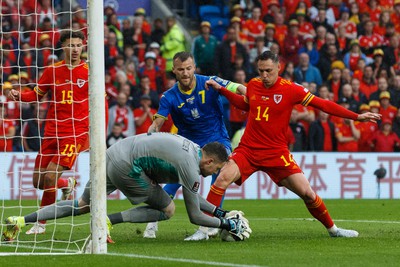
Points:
(208, 12)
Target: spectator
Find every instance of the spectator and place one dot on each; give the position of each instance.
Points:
(111, 49)
(395, 91)
(305, 72)
(357, 94)
(241, 37)
(111, 90)
(374, 106)
(368, 83)
(237, 117)
(160, 61)
(254, 27)
(288, 71)
(203, 50)
(33, 128)
(378, 64)
(367, 130)
(347, 92)
(369, 41)
(299, 132)
(269, 10)
(383, 86)
(347, 134)
(391, 53)
(172, 42)
(131, 73)
(327, 59)
(396, 124)
(121, 113)
(258, 49)
(115, 135)
(321, 135)
(321, 20)
(335, 80)
(384, 20)
(354, 13)
(321, 37)
(7, 130)
(324, 93)
(114, 26)
(305, 27)
(118, 66)
(292, 42)
(158, 31)
(385, 140)
(309, 48)
(351, 57)
(226, 53)
(350, 27)
(269, 37)
(145, 89)
(386, 110)
(281, 29)
(151, 70)
(144, 114)
(395, 16)
(146, 26)
(140, 39)
(374, 10)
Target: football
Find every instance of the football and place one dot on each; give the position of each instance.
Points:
(228, 237)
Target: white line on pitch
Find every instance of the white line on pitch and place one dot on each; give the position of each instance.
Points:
(312, 219)
(214, 263)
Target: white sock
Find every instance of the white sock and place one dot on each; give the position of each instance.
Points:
(333, 229)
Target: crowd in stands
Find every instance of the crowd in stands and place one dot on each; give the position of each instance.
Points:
(346, 51)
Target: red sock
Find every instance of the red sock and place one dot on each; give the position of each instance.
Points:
(215, 195)
(49, 197)
(62, 183)
(319, 211)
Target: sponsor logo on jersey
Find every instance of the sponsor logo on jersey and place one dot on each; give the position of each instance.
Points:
(80, 83)
(264, 98)
(277, 98)
(181, 105)
(196, 187)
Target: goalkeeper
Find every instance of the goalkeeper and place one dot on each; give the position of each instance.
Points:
(136, 166)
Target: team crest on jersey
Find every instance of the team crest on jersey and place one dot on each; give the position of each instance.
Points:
(196, 187)
(277, 98)
(80, 82)
(195, 113)
(190, 100)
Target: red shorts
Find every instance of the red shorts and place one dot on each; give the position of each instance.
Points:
(61, 151)
(278, 166)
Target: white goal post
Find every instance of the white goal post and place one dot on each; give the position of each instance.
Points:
(97, 127)
(18, 195)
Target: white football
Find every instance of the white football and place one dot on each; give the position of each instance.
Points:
(228, 237)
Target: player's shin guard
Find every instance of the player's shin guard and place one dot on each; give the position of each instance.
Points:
(319, 211)
(215, 195)
(171, 189)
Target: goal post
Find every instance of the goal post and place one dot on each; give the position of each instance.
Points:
(29, 39)
(97, 127)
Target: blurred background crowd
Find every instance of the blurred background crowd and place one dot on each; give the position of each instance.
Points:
(346, 51)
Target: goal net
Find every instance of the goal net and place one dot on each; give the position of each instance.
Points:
(30, 43)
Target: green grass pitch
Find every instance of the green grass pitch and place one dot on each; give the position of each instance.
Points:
(283, 235)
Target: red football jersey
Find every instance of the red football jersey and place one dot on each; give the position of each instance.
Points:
(68, 113)
(269, 113)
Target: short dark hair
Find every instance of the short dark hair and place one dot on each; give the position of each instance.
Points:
(268, 55)
(183, 56)
(217, 150)
(68, 34)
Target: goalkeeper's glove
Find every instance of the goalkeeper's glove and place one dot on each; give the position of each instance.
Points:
(237, 225)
